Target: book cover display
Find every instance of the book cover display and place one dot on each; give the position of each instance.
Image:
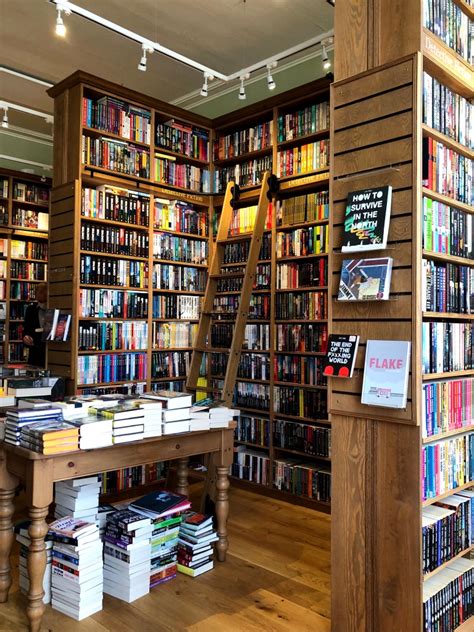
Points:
(386, 373)
(341, 355)
(367, 219)
(365, 279)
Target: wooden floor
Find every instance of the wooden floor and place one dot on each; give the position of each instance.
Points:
(276, 578)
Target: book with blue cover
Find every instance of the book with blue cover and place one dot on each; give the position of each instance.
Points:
(365, 279)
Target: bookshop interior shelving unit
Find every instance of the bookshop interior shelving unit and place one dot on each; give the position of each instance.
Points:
(24, 221)
(169, 168)
(399, 117)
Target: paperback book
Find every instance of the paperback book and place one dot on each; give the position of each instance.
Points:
(365, 279)
(386, 373)
(341, 355)
(367, 219)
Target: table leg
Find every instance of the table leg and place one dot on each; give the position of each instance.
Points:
(222, 510)
(8, 484)
(182, 487)
(36, 566)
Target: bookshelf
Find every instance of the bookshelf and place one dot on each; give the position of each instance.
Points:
(385, 130)
(24, 220)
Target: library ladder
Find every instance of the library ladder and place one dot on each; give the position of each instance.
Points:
(215, 274)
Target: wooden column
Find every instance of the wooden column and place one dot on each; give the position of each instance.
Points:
(376, 500)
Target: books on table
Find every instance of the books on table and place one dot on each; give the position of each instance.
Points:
(127, 422)
(386, 373)
(341, 355)
(367, 219)
(175, 410)
(365, 279)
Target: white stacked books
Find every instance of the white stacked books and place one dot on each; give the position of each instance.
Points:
(127, 555)
(127, 422)
(152, 420)
(221, 416)
(24, 541)
(78, 498)
(200, 418)
(94, 432)
(101, 518)
(77, 568)
(176, 410)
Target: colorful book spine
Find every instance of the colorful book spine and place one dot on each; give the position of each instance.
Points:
(172, 277)
(184, 139)
(173, 248)
(254, 430)
(303, 159)
(310, 439)
(180, 217)
(451, 24)
(123, 367)
(118, 205)
(447, 347)
(172, 364)
(309, 120)
(305, 370)
(249, 173)
(185, 176)
(173, 335)
(113, 336)
(447, 230)
(447, 172)
(243, 141)
(448, 405)
(303, 208)
(302, 242)
(113, 240)
(302, 479)
(102, 303)
(119, 272)
(447, 465)
(117, 117)
(307, 338)
(116, 156)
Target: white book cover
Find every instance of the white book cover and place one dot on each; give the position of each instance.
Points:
(386, 370)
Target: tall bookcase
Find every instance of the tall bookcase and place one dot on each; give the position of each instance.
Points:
(380, 135)
(24, 221)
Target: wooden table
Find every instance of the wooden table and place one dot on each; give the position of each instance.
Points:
(39, 473)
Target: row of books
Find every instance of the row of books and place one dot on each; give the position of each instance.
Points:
(251, 465)
(299, 402)
(28, 249)
(243, 219)
(447, 347)
(225, 307)
(113, 155)
(302, 242)
(112, 304)
(113, 336)
(182, 138)
(249, 173)
(249, 395)
(302, 479)
(4, 213)
(23, 291)
(307, 338)
(447, 112)
(303, 159)
(447, 230)
(171, 364)
(112, 367)
(180, 217)
(117, 117)
(118, 205)
(303, 208)
(27, 270)
(173, 248)
(313, 118)
(4, 187)
(174, 277)
(447, 172)
(447, 529)
(114, 240)
(255, 430)
(255, 336)
(299, 370)
(106, 271)
(239, 252)
(254, 366)
(451, 24)
(310, 439)
(262, 279)
(447, 405)
(302, 274)
(447, 287)
(243, 141)
(185, 176)
(117, 481)
(176, 306)
(27, 218)
(301, 306)
(173, 335)
(447, 464)
(28, 192)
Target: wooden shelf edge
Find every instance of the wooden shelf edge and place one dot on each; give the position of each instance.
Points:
(447, 435)
(444, 199)
(447, 141)
(447, 564)
(428, 377)
(431, 501)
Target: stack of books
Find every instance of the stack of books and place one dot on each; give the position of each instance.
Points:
(18, 418)
(127, 422)
(127, 555)
(207, 414)
(23, 538)
(196, 536)
(101, 519)
(221, 416)
(152, 417)
(77, 573)
(50, 437)
(176, 410)
(199, 418)
(164, 508)
(94, 432)
(78, 498)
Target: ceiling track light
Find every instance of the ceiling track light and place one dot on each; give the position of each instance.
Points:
(270, 81)
(242, 94)
(5, 118)
(146, 48)
(204, 89)
(325, 56)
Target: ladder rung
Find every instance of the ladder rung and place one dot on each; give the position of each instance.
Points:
(231, 275)
(235, 238)
(211, 349)
(219, 313)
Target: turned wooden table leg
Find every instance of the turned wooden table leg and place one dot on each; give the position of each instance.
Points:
(182, 487)
(36, 566)
(8, 484)
(222, 511)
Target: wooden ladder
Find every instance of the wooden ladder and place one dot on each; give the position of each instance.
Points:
(215, 274)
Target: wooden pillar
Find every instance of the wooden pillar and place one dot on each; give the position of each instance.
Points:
(376, 506)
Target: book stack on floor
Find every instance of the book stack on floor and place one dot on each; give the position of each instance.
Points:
(196, 536)
(19, 418)
(164, 509)
(127, 553)
(127, 422)
(77, 568)
(78, 498)
(101, 519)
(23, 538)
(176, 410)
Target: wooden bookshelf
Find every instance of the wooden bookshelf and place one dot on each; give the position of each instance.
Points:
(446, 564)
(12, 343)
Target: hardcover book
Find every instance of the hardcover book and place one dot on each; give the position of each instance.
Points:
(367, 219)
(341, 355)
(160, 503)
(365, 279)
(386, 373)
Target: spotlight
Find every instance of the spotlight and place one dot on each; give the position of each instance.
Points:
(326, 60)
(242, 95)
(270, 81)
(204, 88)
(142, 63)
(5, 118)
(60, 28)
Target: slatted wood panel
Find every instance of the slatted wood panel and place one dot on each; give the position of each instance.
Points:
(376, 528)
